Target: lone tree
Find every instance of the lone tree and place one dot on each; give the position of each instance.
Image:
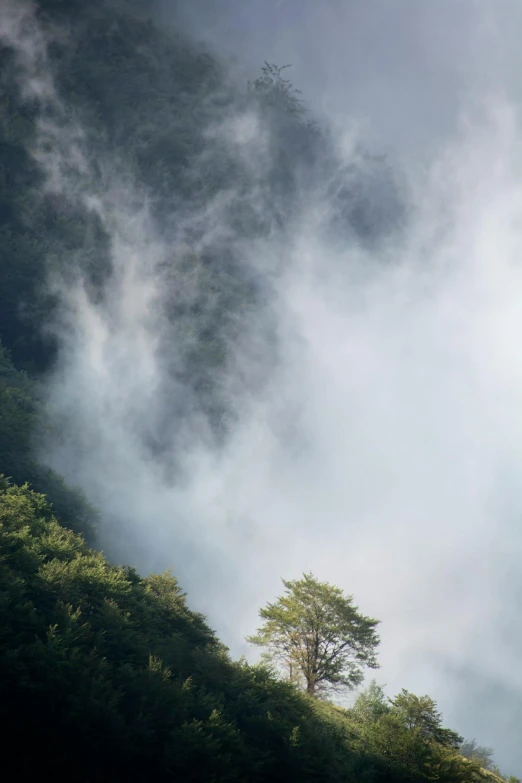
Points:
(318, 635)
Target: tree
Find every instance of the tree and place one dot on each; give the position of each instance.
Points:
(472, 750)
(276, 92)
(371, 704)
(407, 731)
(315, 631)
(419, 713)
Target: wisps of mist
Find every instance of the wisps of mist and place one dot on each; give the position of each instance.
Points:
(374, 429)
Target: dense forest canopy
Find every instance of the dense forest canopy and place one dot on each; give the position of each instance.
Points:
(105, 673)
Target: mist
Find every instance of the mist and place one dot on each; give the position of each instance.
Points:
(401, 69)
(375, 434)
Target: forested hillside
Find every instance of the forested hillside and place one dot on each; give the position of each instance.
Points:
(109, 676)
(106, 674)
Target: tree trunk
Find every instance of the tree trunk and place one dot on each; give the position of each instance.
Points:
(311, 684)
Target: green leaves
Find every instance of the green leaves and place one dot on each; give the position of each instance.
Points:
(407, 731)
(318, 635)
(371, 704)
(419, 713)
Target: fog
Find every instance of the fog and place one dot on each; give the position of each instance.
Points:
(383, 449)
(402, 69)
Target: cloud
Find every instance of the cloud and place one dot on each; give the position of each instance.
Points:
(403, 67)
(379, 446)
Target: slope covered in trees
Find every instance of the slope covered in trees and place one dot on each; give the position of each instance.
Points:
(105, 674)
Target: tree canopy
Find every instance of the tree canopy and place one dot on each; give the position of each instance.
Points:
(315, 631)
(420, 715)
(479, 753)
(371, 704)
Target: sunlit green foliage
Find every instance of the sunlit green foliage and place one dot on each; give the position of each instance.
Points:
(318, 635)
